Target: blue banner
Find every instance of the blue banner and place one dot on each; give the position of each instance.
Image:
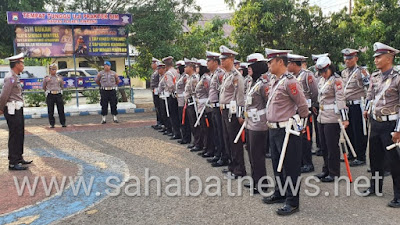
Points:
(51, 18)
(71, 82)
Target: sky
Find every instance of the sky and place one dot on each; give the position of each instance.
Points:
(218, 6)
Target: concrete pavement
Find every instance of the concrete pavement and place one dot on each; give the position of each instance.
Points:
(127, 149)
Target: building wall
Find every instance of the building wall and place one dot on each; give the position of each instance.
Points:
(119, 68)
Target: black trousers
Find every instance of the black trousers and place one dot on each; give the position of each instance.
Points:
(256, 143)
(173, 116)
(156, 101)
(207, 133)
(235, 151)
(315, 123)
(164, 118)
(329, 138)
(185, 128)
(291, 165)
(218, 134)
(52, 100)
(197, 140)
(379, 139)
(306, 144)
(108, 97)
(355, 132)
(16, 135)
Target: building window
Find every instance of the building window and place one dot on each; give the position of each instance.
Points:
(62, 65)
(84, 64)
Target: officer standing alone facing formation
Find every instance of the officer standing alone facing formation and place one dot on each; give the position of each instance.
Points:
(356, 81)
(332, 106)
(285, 96)
(232, 102)
(310, 88)
(11, 104)
(384, 91)
(154, 80)
(213, 64)
(255, 118)
(53, 85)
(108, 81)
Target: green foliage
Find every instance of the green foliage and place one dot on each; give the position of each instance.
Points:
(35, 99)
(210, 38)
(92, 96)
(67, 96)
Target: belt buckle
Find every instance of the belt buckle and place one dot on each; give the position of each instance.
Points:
(321, 107)
(379, 118)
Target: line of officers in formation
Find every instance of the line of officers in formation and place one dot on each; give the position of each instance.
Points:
(277, 100)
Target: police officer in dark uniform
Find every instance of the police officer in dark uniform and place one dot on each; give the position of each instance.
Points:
(355, 80)
(53, 85)
(182, 106)
(217, 73)
(108, 81)
(11, 104)
(310, 88)
(232, 103)
(332, 106)
(284, 97)
(255, 118)
(154, 80)
(384, 91)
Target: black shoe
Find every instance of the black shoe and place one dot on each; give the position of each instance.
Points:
(201, 153)
(268, 155)
(225, 171)
(247, 185)
(158, 127)
(162, 130)
(174, 138)
(395, 203)
(23, 162)
(328, 179)
(170, 134)
(179, 141)
(214, 159)
(103, 122)
(369, 192)
(307, 169)
(318, 153)
(232, 176)
(195, 149)
(184, 142)
(51, 126)
(321, 175)
(190, 146)
(207, 155)
(165, 132)
(64, 125)
(115, 121)
(287, 210)
(255, 190)
(17, 167)
(219, 163)
(369, 170)
(273, 199)
(357, 163)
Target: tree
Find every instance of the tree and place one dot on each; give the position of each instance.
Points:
(198, 40)
(157, 26)
(7, 31)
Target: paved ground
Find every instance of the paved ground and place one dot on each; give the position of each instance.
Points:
(123, 150)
